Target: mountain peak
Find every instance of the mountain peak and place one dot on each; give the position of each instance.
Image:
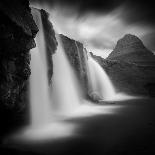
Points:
(130, 38)
(129, 43)
(131, 49)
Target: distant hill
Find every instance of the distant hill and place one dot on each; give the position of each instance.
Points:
(131, 49)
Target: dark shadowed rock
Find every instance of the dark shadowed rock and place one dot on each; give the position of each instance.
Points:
(17, 32)
(19, 13)
(50, 40)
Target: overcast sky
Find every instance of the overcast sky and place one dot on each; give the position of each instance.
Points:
(100, 23)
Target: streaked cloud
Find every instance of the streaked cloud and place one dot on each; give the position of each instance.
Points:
(100, 30)
(97, 31)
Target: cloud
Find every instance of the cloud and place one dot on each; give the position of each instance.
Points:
(149, 41)
(134, 10)
(83, 6)
(101, 43)
(100, 31)
(100, 24)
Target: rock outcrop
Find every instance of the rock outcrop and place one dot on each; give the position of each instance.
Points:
(130, 66)
(17, 30)
(76, 54)
(50, 40)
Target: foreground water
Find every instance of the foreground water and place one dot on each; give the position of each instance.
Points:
(129, 129)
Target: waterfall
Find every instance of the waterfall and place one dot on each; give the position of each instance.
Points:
(40, 104)
(100, 86)
(66, 91)
(49, 103)
(64, 94)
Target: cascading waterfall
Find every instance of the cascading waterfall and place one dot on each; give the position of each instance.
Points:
(100, 86)
(48, 104)
(66, 91)
(40, 104)
(64, 95)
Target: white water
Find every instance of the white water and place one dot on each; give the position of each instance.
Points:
(40, 104)
(66, 91)
(45, 108)
(100, 85)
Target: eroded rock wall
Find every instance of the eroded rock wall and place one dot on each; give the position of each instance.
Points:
(17, 33)
(17, 29)
(50, 41)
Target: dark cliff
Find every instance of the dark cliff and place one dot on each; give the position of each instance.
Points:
(18, 30)
(50, 40)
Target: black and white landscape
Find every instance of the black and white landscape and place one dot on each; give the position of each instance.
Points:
(77, 77)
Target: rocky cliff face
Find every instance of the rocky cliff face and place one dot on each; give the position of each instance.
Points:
(76, 55)
(17, 29)
(17, 33)
(131, 67)
(50, 40)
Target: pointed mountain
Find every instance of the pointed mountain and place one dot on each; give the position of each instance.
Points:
(132, 50)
